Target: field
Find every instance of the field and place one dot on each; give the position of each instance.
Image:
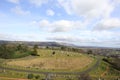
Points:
(57, 61)
(105, 71)
(50, 63)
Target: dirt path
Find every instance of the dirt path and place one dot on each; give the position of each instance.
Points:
(12, 78)
(103, 74)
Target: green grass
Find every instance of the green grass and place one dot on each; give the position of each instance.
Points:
(13, 74)
(47, 54)
(58, 53)
(111, 73)
(60, 58)
(104, 68)
(21, 75)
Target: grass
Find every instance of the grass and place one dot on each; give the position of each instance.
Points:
(105, 71)
(13, 74)
(60, 61)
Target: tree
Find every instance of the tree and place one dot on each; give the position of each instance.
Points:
(47, 47)
(53, 52)
(89, 52)
(22, 48)
(35, 53)
(35, 47)
(19, 47)
(6, 52)
(63, 48)
(9, 51)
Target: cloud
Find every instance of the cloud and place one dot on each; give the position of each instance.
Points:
(20, 37)
(18, 10)
(38, 3)
(62, 38)
(4, 36)
(116, 1)
(61, 25)
(89, 38)
(87, 8)
(107, 24)
(50, 12)
(84, 36)
(14, 1)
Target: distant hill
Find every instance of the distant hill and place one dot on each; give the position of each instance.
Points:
(95, 50)
(32, 43)
(53, 44)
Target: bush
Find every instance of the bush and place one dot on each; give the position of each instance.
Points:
(68, 55)
(34, 53)
(30, 76)
(53, 52)
(37, 77)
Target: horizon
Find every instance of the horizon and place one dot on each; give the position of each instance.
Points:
(64, 44)
(79, 22)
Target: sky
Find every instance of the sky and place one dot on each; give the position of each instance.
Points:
(80, 22)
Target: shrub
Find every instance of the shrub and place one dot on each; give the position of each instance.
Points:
(37, 77)
(30, 76)
(53, 52)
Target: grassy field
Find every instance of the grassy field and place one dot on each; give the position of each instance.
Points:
(63, 61)
(105, 71)
(60, 61)
(47, 61)
(14, 75)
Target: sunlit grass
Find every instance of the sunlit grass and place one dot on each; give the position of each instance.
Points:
(61, 60)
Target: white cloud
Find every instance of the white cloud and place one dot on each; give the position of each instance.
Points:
(38, 3)
(87, 8)
(50, 12)
(109, 23)
(4, 36)
(44, 23)
(14, 1)
(18, 10)
(117, 1)
(20, 37)
(89, 38)
(61, 25)
(63, 38)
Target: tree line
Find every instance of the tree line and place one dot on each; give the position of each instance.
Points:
(9, 51)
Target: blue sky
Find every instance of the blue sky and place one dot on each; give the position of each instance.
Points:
(81, 22)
